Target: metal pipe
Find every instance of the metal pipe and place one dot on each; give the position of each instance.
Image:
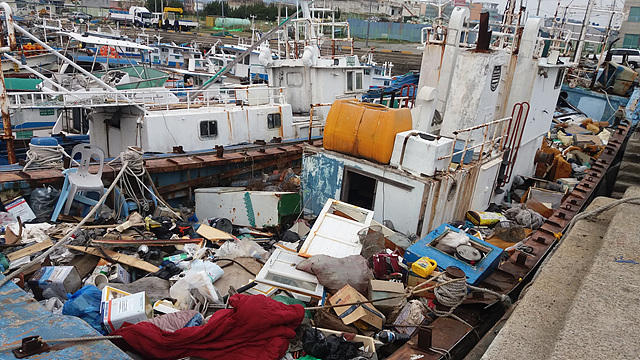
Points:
(311, 119)
(36, 73)
(238, 58)
(583, 31)
(77, 67)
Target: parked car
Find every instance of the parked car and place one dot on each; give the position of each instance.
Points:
(78, 15)
(631, 56)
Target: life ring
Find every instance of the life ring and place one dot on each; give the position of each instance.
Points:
(108, 51)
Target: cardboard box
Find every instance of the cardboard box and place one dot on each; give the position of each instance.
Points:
(350, 314)
(383, 289)
(126, 310)
(117, 274)
(19, 207)
(55, 281)
(110, 293)
(414, 279)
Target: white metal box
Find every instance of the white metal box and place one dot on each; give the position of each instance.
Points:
(418, 152)
(248, 208)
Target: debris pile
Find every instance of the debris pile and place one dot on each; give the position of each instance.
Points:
(245, 275)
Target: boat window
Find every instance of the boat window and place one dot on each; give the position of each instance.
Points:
(378, 72)
(245, 60)
(559, 79)
(387, 82)
(367, 71)
(294, 79)
(354, 80)
(349, 80)
(209, 129)
(274, 121)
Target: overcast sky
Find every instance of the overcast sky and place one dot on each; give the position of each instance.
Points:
(548, 7)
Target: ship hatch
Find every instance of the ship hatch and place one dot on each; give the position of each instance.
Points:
(358, 190)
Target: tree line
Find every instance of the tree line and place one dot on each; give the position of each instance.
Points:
(259, 10)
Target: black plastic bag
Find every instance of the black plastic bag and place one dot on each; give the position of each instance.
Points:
(43, 201)
(332, 347)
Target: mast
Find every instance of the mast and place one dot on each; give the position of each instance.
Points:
(583, 31)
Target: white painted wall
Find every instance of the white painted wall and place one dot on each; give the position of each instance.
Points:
(159, 131)
(430, 202)
(471, 101)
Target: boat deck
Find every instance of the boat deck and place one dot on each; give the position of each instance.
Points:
(22, 316)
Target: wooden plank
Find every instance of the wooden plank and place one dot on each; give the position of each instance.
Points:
(211, 233)
(169, 242)
(121, 258)
(30, 250)
(85, 264)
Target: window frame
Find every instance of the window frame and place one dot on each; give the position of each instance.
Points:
(272, 119)
(208, 136)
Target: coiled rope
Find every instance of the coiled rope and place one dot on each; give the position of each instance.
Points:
(45, 155)
(451, 294)
(134, 157)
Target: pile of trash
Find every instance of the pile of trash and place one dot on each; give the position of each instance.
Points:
(212, 288)
(246, 275)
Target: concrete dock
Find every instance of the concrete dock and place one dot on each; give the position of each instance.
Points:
(585, 303)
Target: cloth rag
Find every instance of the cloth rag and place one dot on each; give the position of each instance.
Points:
(256, 327)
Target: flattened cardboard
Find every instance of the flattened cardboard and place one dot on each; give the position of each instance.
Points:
(383, 289)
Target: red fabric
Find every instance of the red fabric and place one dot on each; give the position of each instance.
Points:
(257, 327)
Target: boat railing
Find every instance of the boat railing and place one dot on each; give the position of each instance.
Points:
(231, 97)
(239, 96)
(495, 142)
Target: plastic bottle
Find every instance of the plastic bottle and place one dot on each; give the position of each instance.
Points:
(388, 336)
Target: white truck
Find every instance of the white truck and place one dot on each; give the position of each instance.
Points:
(138, 16)
(171, 19)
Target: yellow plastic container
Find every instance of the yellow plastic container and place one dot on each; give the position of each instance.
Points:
(424, 266)
(364, 130)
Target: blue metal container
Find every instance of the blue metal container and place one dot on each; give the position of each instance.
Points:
(475, 273)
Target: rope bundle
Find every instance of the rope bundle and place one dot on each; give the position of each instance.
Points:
(45, 155)
(450, 294)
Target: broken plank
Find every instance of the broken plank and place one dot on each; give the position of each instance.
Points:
(30, 250)
(211, 233)
(121, 258)
(169, 242)
(85, 264)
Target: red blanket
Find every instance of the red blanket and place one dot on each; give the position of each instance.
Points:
(257, 327)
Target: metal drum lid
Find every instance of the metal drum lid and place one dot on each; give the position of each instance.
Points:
(468, 253)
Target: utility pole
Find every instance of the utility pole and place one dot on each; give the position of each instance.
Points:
(369, 22)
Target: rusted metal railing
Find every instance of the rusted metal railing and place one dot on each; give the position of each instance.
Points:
(311, 126)
(495, 125)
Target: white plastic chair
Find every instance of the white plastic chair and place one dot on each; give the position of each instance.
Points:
(82, 180)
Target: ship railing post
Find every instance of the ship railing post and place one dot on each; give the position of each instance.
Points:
(7, 135)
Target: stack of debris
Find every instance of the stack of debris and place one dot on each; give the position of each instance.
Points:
(245, 275)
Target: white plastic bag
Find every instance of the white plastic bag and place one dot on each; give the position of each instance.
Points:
(242, 248)
(194, 280)
(214, 271)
